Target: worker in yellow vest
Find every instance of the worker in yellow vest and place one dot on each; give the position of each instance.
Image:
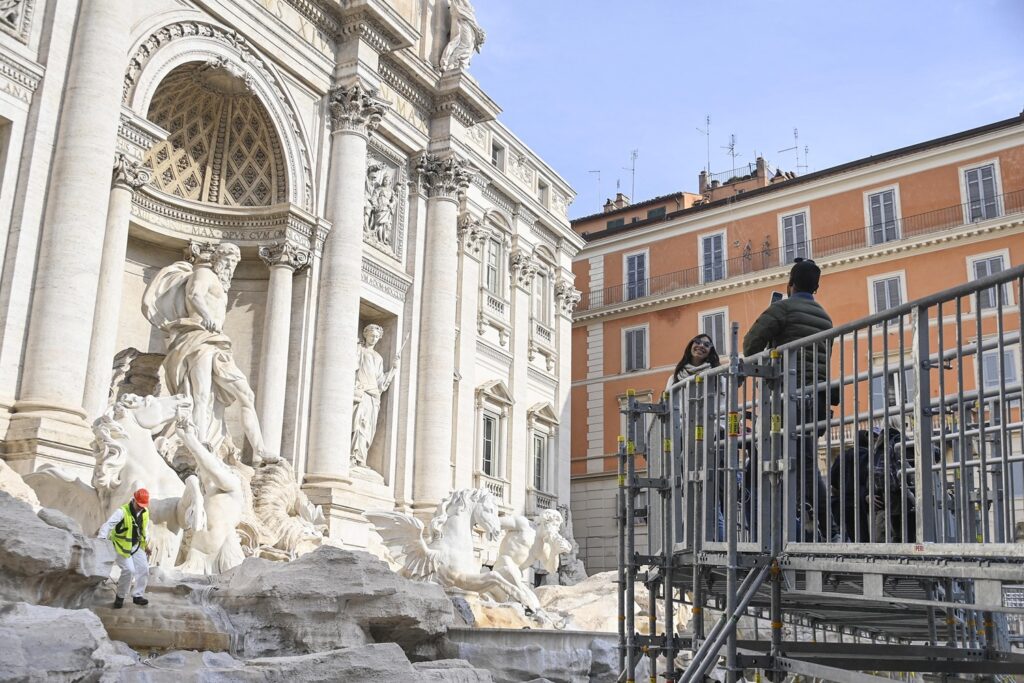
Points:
(128, 530)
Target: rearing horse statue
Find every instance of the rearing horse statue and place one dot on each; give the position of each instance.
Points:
(445, 553)
(127, 459)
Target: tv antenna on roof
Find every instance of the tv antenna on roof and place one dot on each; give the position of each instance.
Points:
(731, 150)
(632, 170)
(598, 185)
(796, 148)
(706, 132)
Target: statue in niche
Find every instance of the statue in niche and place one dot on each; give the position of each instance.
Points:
(371, 383)
(189, 303)
(381, 204)
(464, 38)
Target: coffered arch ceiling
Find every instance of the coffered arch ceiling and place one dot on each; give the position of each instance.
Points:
(222, 148)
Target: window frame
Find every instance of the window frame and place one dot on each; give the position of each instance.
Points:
(541, 465)
(1013, 350)
(723, 348)
(897, 208)
(997, 177)
(646, 327)
(543, 192)
(1004, 254)
(781, 219)
(900, 275)
(487, 415)
(498, 155)
(546, 315)
(499, 266)
(646, 253)
(725, 255)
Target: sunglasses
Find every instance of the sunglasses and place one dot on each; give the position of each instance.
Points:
(706, 343)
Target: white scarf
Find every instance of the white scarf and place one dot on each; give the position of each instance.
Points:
(691, 370)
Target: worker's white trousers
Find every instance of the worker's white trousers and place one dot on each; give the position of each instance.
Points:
(134, 567)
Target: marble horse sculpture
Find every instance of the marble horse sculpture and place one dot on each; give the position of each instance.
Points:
(127, 459)
(524, 545)
(443, 553)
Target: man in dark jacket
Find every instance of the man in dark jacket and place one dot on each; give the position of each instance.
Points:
(786, 321)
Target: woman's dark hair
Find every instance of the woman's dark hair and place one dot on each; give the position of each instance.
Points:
(713, 360)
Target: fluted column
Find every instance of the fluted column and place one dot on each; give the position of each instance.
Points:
(71, 250)
(128, 176)
(284, 259)
(355, 113)
(443, 180)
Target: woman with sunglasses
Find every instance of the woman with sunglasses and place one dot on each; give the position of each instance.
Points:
(700, 355)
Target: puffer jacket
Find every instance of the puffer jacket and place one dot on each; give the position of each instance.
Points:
(789, 320)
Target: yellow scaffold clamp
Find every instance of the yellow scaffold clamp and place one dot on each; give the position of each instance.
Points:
(734, 424)
(698, 433)
(776, 423)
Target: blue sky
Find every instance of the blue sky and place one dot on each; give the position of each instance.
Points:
(584, 82)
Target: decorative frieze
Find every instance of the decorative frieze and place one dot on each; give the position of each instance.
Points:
(285, 254)
(383, 280)
(446, 178)
(19, 80)
(130, 173)
(355, 109)
(499, 199)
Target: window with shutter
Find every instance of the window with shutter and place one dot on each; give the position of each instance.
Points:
(541, 299)
(490, 445)
(981, 193)
(492, 270)
(636, 276)
(887, 293)
(984, 267)
(540, 461)
(636, 349)
(713, 325)
(990, 375)
(794, 236)
(713, 249)
(884, 226)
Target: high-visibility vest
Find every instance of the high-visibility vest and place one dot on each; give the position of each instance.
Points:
(122, 534)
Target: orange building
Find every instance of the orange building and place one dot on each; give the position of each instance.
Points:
(885, 230)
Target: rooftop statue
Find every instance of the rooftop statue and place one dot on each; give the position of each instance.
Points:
(189, 303)
(465, 36)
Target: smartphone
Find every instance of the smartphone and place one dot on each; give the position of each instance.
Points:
(777, 297)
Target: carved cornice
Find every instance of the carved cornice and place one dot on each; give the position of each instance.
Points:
(399, 79)
(568, 296)
(285, 254)
(355, 109)
(473, 233)
(136, 136)
(20, 80)
(384, 280)
(523, 266)
(525, 215)
(445, 178)
(499, 199)
(130, 174)
(322, 20)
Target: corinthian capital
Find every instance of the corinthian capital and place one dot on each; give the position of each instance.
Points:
(524, 267)
(284, 254)
(568, 296)
(355, 109)
(130, 173)
(445, 177)
(473, 232)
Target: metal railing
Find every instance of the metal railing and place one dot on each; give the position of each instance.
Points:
(759, 258)
(886, 450)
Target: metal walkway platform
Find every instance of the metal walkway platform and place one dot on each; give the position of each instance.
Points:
(875, 498)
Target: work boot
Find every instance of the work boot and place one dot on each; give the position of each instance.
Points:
(118, 602)
(139, 600)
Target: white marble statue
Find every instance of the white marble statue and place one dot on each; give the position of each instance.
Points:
(371, 383)
(290, 525)
(127, 459)
(189, 303)
(465, 36)
(216, 548)
(444, 552)
(381, 204)
(524, 545)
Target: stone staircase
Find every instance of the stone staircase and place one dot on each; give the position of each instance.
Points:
(169, 622)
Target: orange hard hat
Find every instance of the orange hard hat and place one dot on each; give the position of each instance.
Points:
(142, 498)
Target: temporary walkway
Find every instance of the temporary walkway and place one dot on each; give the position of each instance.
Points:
(878, 502)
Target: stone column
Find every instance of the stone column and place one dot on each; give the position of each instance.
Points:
(284, 259)
(355, 113)
(71, 250)
(128, 177)
(443, 180)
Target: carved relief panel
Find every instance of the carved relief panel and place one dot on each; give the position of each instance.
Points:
(16, 17)
(386, 199)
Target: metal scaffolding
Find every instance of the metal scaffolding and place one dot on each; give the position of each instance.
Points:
(852, 485)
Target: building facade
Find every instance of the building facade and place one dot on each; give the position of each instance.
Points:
(363, 184)
(885, 230)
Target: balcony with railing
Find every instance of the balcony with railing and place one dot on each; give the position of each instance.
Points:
(754, 260)
(497, 487)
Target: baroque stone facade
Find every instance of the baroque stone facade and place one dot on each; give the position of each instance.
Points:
(365, 179)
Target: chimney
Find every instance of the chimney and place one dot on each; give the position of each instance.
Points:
(621, 200)
(609, 206)
(762, 167)
(702, 182)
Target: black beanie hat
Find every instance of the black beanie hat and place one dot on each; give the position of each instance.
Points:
(805, 275)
